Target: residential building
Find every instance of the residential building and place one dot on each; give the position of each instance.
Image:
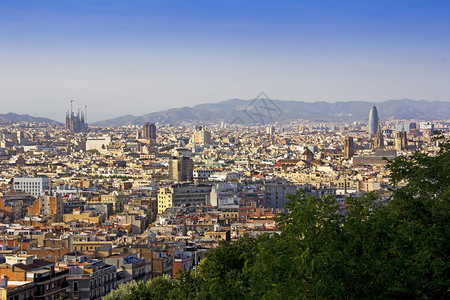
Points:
(33, 185)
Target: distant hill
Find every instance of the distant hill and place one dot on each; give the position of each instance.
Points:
(12, 117)
(264, 111)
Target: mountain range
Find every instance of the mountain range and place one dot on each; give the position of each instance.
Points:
(265, 111)
(13, 117)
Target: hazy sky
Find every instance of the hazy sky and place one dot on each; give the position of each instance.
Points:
(135, 57)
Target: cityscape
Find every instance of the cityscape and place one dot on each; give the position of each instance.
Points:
(158, 191)
(101, 206)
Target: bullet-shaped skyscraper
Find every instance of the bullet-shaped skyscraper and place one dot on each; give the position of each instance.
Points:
(373, 121)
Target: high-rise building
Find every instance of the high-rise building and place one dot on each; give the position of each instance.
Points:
(373, 121)
(201, 135)
(181, 168)
(401, 140)
(349, 148)
(404, 126)
(76, 122)
(149, 131)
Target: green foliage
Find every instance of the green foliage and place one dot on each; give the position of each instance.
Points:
(157, 288)
(224, 272)
(63, 296)
(93, 151)
(122, 292)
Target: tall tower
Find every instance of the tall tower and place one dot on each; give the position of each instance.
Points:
(349, 148)
(181, 169)
(373, 121)
(401, 140)
(270, 130)
(379, 140)
(149, 131)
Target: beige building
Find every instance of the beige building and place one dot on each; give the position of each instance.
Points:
(117, 199)
(178, 195)
(90, 217)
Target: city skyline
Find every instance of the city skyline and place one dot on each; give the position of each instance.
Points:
(145, 56)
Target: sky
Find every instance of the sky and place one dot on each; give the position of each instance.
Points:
(136, 57)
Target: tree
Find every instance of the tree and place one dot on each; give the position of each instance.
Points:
(122, 292)
(223, 274)
(63, 296)
(157, 288)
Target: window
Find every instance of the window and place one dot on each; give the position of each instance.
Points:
(53, 285)
(75, 286)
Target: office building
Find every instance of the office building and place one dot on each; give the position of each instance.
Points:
(181, 168)
(405, 126)
(201, 135)
(149, 131)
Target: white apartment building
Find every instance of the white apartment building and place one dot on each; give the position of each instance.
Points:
(33, 185)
